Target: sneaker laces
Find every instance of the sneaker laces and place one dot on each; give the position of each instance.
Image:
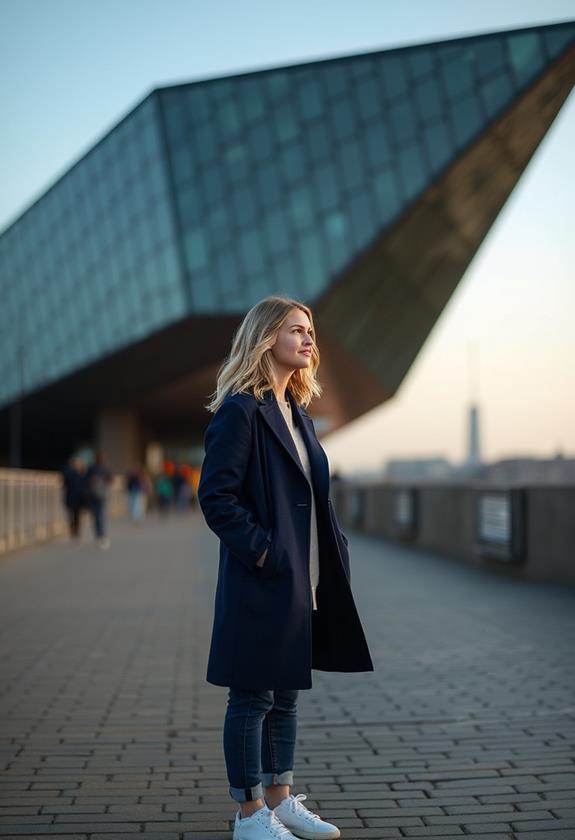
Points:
(276, 826)
(294, 803)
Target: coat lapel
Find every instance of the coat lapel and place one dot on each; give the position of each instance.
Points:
(271, 413)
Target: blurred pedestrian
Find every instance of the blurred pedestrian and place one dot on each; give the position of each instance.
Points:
(164, 493)
(180, 486)
(136, 489)
(98, 479)
(74, 495)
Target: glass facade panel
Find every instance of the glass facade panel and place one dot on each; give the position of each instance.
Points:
(402, 121)
(438, 146)
(467, 119)
(394, 76)
(496, 94)
(525, 56)
(557, 39)
(428, 99)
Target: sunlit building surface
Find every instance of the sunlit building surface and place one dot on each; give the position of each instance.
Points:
(362, 185)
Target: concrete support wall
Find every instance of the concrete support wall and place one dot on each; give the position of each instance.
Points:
(119, 435)
(447, 523)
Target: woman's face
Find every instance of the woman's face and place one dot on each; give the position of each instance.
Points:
(294, 342)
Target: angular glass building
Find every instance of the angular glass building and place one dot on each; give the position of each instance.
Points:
(362, 185)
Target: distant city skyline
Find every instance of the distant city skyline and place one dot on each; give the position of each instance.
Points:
(75, 69)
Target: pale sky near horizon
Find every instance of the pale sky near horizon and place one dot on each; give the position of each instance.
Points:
(75, 68)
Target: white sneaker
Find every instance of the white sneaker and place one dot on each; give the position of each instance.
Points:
(261, 825)
(301, 822)
(104, 543)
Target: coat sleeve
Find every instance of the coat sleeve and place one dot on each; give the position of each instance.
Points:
(227, 444)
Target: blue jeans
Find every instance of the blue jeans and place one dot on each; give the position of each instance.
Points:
(98, 508)
(260, 726)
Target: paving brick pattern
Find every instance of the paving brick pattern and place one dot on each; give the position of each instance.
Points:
(109, 730)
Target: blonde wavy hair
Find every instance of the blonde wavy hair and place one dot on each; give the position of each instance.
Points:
(248, 369)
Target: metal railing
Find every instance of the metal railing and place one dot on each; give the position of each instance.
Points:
(32, 508)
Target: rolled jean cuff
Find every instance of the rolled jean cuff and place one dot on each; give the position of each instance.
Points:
(247, 794)
(285, 778)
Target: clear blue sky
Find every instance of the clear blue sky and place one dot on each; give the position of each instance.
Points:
(72, 68)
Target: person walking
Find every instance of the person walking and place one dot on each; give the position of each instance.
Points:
(136, 490)
(283, 601)
(98, 477)
(74, 494)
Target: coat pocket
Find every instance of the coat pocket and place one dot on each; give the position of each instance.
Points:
(273, 562)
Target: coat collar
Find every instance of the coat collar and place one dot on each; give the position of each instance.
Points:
(271, 412)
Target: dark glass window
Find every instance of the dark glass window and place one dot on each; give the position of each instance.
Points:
(312, 263)
(175, 120)
(387, 194)
(300, 208)
(557, 39)
(496, 93)
(260, 140)
(402, 121)
(213, 184)
(412, 170)
(252, 104)
(378, 148)
(205, 142)
(334, 79)
(337, 245)
(351, 165)
(277, 83)
(420, 62)
(286, 124)
(183, 163)
(197, 104)
(439, 145)
(368, 98)
(343, 119)
(227, 270)
(325, 186)
(489, 55)
(310, 100)
(428, 98)
(336, 225)
(219, 89)
(362, 219)
(250, 248)
(219, 225)
(293, 163)
(467, 119)
(318, 141)
(276, 231)
(526, 56)
(268, 184)
(236, 162)
(189, 205)
(229, 119)
(285, 273)
(394, 76)
(195, 249)
(244, 205)
(457, 74)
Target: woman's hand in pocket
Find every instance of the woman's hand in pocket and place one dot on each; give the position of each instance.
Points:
(262, 559)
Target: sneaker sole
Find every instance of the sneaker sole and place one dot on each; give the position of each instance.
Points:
(307, 835)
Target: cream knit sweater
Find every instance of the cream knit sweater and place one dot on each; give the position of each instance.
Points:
(304, 459)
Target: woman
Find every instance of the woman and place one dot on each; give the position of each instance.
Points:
(283, 602)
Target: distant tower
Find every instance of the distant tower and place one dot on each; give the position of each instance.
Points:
(474, 447)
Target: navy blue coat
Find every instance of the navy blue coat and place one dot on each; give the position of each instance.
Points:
(255, 495)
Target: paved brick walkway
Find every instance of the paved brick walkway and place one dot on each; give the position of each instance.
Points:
(467, 726)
